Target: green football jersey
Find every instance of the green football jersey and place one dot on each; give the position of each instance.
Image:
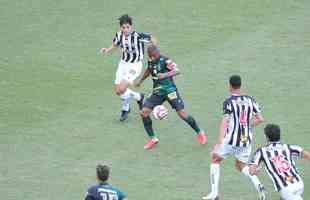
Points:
(166, 85)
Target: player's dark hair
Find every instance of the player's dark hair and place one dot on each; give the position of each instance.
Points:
(153, 49)
(103, 172)
(125, 19)
(235, 81)
(273, 132)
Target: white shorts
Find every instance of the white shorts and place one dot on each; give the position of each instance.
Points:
(293, 191)
(241, 153)
(128, 72)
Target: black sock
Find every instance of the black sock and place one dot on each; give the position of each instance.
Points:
(192, 122)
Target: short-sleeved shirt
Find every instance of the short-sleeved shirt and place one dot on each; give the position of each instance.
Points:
(162, 65)
(279, 164)
(104, 191)
(132, 45)
(240, 109)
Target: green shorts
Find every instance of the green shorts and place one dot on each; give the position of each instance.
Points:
(173, 98)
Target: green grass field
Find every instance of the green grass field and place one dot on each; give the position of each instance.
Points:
(59, 116)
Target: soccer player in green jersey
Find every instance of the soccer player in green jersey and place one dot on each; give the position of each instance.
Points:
(162, 70)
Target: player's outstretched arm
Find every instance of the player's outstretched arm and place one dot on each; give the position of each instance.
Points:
(153, 40)
(223, 126)
(173, 70)
(146, 74)
(107, 50)
(258, 120)
(306, 154)
(171, 73)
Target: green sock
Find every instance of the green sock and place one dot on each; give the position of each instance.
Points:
(191, 121)
(147, 122)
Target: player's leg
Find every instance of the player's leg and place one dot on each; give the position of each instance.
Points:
(148, 106)
(193, 124)
(125, 75)
(176, 103)
(243, 154)
(218, 155)
(147, 121)
(120, 91)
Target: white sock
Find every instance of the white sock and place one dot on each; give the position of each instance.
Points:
(133, 94)
(215, 178)
(125, 105)
(246, 172)
(125, 95)
(125, 100)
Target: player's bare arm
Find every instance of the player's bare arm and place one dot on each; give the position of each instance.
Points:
(107, 50)
(146, 74)
(223, 126)
(171, 73)
(258, 120)
(153, 40)
(306, 155)
(174, 70)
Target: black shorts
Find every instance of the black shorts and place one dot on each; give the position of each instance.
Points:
(173, 98)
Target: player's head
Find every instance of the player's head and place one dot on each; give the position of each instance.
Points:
(272, 132)
(125, 22)
(235, 82)
(103, 172)
(153, 52)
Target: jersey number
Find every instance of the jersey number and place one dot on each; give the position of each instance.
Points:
(281, 165)
(243, 119)
(108, 196)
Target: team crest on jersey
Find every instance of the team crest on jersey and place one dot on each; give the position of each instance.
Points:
(126, 41)
(244, 139)
(289, 179)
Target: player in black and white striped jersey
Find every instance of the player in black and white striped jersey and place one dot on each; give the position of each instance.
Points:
(129, 68)
(235, 137)
(279, 164)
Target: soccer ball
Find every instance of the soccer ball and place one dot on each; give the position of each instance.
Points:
(160, 112)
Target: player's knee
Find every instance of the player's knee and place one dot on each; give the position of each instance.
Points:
(216, 159)
(118, 93)
(121, 90)
(144, 114)
(182, 114)
(239, 165)
(118, 90)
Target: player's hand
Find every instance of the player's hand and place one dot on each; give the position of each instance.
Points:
(254, 170)
(104, 50)
(161, 76)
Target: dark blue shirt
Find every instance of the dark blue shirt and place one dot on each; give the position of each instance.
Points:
(104, 191)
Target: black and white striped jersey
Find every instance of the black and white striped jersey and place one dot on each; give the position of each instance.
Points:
(240, 109)
(132, 45)
(279, 163)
